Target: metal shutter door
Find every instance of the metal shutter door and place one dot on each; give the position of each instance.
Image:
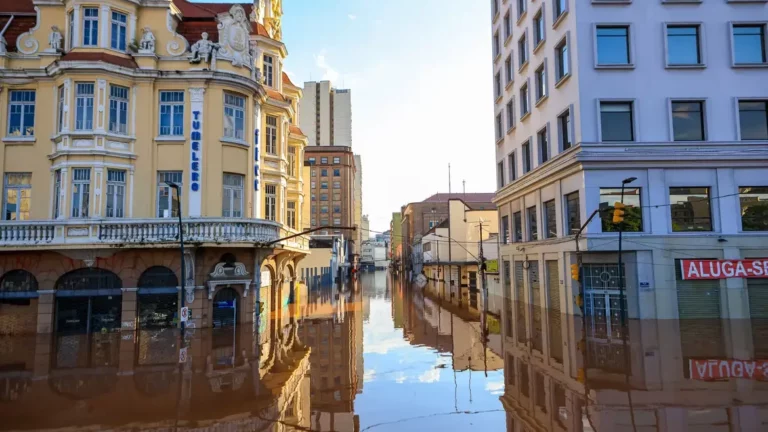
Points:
(758, 311)
(520, 302)
(555, 326)
(701, 331)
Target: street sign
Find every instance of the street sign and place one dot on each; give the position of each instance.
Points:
(184, 314)
(720, 369)
(696, 269)
(183, 355)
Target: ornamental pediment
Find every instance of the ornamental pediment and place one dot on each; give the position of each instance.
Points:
(234, 41)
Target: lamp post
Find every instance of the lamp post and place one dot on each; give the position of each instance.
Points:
(622, 296)
(177, 187)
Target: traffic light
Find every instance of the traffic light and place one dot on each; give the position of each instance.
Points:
(575, 272)
(618, 212)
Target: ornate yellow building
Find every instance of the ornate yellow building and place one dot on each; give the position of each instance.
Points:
(105, 106)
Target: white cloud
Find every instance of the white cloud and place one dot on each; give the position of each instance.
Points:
(430, 376)
(495, 388)
(329, 73)
(352, 17)
(369, 375)
(400, 377)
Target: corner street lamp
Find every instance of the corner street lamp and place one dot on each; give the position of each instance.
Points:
(177, 187)
(622, 296)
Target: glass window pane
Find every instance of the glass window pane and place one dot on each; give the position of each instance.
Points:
(683, 45)
(754, 208)
(633, 217)
(690, 209)
(688, 121)
(612, 45)
(753, 120)
(749, 43)
(616, 121)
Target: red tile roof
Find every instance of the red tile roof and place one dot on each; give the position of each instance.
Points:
(103, 57)
(260, 30)
(274, 94)
(466, 197)
(17, 7)
(295, 130)
(200, 17)
(287, 80)
(205, 10)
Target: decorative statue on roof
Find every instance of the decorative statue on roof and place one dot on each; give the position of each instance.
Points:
(203, 50)
(55, 39)
(234, 43)
(257, 13)
(147, 43)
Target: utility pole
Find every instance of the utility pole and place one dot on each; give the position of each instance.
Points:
(483, 319)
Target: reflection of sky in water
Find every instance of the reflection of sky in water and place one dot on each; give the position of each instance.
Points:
(417, 384)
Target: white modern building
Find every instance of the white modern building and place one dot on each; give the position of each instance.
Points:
(670, 94)
(326, 114)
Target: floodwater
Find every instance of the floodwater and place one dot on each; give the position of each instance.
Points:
(381, 355)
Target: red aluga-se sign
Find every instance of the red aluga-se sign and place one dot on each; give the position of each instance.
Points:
(723, 269)
(716, 370)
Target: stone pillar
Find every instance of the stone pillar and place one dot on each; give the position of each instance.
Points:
(42, 355)
(104, 23)
(75, 36)
(45, 303)
(128, 317)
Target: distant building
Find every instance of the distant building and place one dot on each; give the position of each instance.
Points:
(396, 234)
(361, 235)
(326, 114)
(331, 185)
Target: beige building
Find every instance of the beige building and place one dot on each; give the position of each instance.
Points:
(362, 232)
(110, 106)
(326, 114)
(332, 199)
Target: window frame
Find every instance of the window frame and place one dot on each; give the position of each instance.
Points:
(531, 236)
(499, 126)
(290, 214)
(18, 188)
(229, 192)
(547, 218)
(85, 98)
(710, 190)
(510, 114)
(173, 107)
(23, 104)
(545, 134)
(120, 27)
(509, 70)
(512, 166)
(741, 208)
(231, 110)
(671, 120)
(630, 45)
(500, 177)
(270, 202)
(119, 103)
(737, 100)
(525, 99)
(57, 194)
(560, 65)
(541, 76)
(569, 129)
(517, 219)
(90, 19)
(522, 9)
(700, 45)
(498, 87)
(117, 200)
(523, 52)
(271, 135)
(608, 212)
(269, 70)
(507, 26)
(731, 26)
(496, 46)
(634, 120)
(567, 213)
(526, 156)
(82, 210)
(61, 101)
(539, 39)
(162, 177)
(559, 14)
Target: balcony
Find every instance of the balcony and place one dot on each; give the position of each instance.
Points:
(143, 232)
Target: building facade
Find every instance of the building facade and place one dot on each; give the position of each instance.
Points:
(361, 234)
(326, 114)
(593, 95)
(332, 183)
(111, 108)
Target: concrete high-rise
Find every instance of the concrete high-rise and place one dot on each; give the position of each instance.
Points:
(326, 114)
(361, 234)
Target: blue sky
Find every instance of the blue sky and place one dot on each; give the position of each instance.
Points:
(421, 78)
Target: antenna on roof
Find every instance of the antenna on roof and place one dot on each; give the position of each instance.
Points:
(464, 187)
(449, 180)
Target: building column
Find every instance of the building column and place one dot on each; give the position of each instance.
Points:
(45, 303)
(128, 316)
(75, 36)
(104, 21)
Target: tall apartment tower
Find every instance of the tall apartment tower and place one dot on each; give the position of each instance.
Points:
(361, 235)
(326, 114)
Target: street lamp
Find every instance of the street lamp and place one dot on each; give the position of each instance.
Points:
(622, 296)
(177, 187)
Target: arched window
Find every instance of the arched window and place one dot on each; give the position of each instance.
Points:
(89, 279)
(16, 281)
(158, 277)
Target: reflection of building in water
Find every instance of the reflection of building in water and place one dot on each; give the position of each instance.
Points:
(543, 392)
(333, 328)
(135, 383)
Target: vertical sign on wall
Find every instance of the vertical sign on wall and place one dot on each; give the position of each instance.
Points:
(195, 197)
(256, 164)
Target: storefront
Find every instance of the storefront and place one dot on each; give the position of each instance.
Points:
(18, 303)
(88, 300)
(158, 298)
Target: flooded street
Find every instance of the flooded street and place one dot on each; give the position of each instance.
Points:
(382, 355)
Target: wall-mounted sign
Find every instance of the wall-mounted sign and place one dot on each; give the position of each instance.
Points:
(256, 160)
(196, 99)
(717, 370)
(723, 269)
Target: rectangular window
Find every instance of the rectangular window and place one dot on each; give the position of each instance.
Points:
(683, 45)
(754, 208)
(564, 126)
(543, 139)
(690, 209)
(323, 185)
(70, 34)
(21, 113)
(167, 203)
(81, 187)
(522, 50)
(753, 119)
(613, 45)
(517, 226)
(269, 68)
(539, 32)
(119, 26)
(118, 109)
(115, 193)
(500, 174)
(232, 203)
(505, 230)
(324, 209)
(311, 161)
(522, 7)
(60, 113)
(633, 212)
(573, 213)
(512, 162)
(507, 26)
(494, 7)
(323, 173)
(526, 157)
(336, 160)
(541, 82)
(616, 121)
(17, 196)
(524, 101)
(234, 116)
(171, 113)
(496, 45)
(337, 173)
(688, 120)
(270, 204)
(90, 27)
(499, 127)
(337, 185)
(749, 44)
(550, 219)
(508, 70)
(291, 214)
(497, 85)
(324, 161)
(57, 194)
(272, 135)
(337, 208)
(337, 196)
(292, 161)
(324, 197)
(561, 7)
(511, 113)
(533, 228)
(84, 106)
(337, 221)
(562, 66)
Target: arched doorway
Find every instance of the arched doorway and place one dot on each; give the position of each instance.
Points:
(18, 302)
(88, 300)
(158, 298)
(225, 305)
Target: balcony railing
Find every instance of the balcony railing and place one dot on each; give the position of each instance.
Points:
(144, 232)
